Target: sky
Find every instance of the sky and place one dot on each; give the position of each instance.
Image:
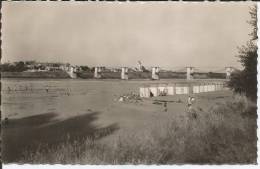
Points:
(119, 34)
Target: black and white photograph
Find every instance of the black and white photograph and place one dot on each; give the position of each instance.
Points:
(109, 83)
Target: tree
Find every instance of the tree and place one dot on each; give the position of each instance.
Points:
(20, 66)
(85, 68)
(245, 81)
(16, 67)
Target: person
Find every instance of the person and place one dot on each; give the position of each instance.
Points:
(31, 87)
(6, 121)
(9, 89)
(68, 91)
(190, 101)
(151, 94)
(121, 99)
(47, 89)
(165, 106)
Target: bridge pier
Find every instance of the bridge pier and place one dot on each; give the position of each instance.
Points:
(155, 73)
(97, 72)
(190, 71)
(72, 72)
(124, 73)
(229, 70)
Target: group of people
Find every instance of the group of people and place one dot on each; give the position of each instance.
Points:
(190, 102)
(29, 88)
(19, 88)
(66, 91)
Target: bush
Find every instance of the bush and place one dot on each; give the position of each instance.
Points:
(17, 67)
(245, 81)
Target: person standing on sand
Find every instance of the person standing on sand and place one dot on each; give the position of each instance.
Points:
(68, 91)
(190, 102)
(47, 89)
(165, 106)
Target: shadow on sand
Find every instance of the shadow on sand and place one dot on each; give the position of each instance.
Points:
(28, 133)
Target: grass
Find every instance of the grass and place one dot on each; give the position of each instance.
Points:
(226, 134)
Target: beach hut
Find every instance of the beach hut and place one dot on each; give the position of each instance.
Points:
(196, 89)
(181, 89)
(201, 88)
(190, 89)
(205, 88)
(217, 86)
(170, 90)
(186, 90)
(162, 89)
(213, 88)
(154, 91)
(144, 92)
(209, 87)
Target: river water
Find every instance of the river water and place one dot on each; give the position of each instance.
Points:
(26, 97)
(65, 97)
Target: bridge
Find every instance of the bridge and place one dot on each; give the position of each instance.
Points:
(156, 70)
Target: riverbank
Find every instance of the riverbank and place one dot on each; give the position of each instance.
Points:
(48, 74)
